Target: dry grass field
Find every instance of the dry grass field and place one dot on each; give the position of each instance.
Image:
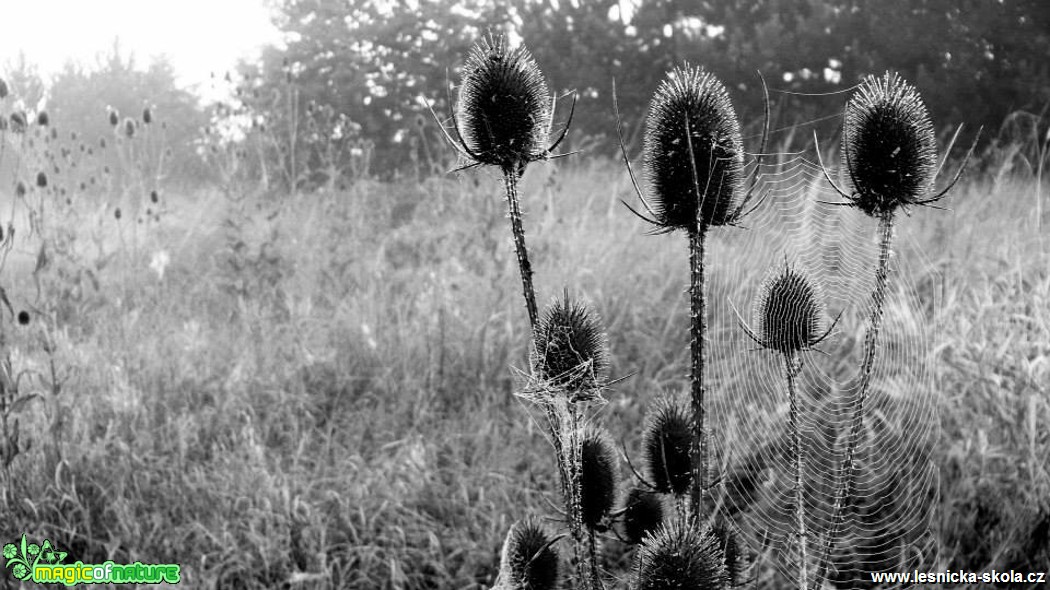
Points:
(317, 391)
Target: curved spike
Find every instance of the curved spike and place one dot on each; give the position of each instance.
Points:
(630, 465)
(828, 331)
(568, 123)
(958, 174)
(747, 329)
(627, 160)
(444, 131)
(827, 175)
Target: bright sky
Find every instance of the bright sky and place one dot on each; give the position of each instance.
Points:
(198, 36)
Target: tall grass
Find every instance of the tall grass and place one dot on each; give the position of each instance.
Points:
(345, 418)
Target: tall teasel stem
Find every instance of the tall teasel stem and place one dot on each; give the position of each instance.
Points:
(510, 181)
(847, 488)
(698, 321)
(792, 367)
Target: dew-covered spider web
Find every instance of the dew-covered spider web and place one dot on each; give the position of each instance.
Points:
(886, 527)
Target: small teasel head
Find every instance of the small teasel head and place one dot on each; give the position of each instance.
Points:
(888, 145)
(598, 476)
(790, 312)
(665, 447)
(681, 555)
(43, 119)
(129, 127)
(504, 107)
(643, 513)
(41, 179)
(114, 117)
(529, 560)
(733, 553)
(147, 115)
(693, 152)
(569, 347)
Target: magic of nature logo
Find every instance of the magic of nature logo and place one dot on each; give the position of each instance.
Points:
(43, 563)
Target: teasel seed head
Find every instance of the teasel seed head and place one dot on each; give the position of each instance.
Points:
(691, 125)
(114, 117)
(643, 513)
(129, 127)
(504, 105)
(790, 309)
(569, 347)
(3, 89)
(680, 555)
(41, 179)
(147, 115)
(529, 560)
(889, 146)
(665, 447)
(18, 122)
(42, 119)
(733, 554)
(598, 476)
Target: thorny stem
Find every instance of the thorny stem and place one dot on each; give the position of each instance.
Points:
(847, 488)
(592, 556)
(510, 180)
(698, 447)
(792, 367)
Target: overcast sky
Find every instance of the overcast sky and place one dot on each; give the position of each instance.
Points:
(199, 36)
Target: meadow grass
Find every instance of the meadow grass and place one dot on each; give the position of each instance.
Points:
(319, 389)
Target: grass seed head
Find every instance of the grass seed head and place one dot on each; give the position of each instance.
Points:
(889, 145)
(504, 105)
(693, 99)
(665, 447)
(569, 346)
(789, 312)
(598, 476)
(680, 555)
(643, 513)
(529, 560)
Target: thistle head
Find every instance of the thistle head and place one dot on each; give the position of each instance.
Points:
(504, 106)
(569, 347)
(529, 560)
(598, 476)
(789, 312)
(888, 145)
(693, 151)
(665, 447)
(680, 555)
(643, 513)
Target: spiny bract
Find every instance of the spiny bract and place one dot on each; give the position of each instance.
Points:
(693, 151)
(665, 447)
(569, 346)
(889, 145)
(598, 476)
(789, 311)
(681, 556)
(529, 560)
(504, 105)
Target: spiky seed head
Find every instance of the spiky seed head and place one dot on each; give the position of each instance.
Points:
(504, 105)
(41, 179)
(147, 115)
(569, 346)
(693, 99)
(129, 127)
(20, 189)
(732, 552)
(18, 122)
(153, 196)
(529, 560)
(42, 119)
(789, 312)
(114, 117)
(665, 447)
(23, 318)
(888, 144)
(680, 555)
(3, 89)
(598, 476)
(643, 513)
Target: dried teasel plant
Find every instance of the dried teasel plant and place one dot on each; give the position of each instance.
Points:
(569, 362)
(529, 560)
(694, 162)
(681, 555)
(790, 312)
(641, 514)
(598, 480)
(503, 118)
(889, 150)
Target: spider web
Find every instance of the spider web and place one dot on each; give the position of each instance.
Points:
(887, 525)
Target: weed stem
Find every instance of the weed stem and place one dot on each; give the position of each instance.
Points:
(792, 367)
(510, 180)
(698, 311)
